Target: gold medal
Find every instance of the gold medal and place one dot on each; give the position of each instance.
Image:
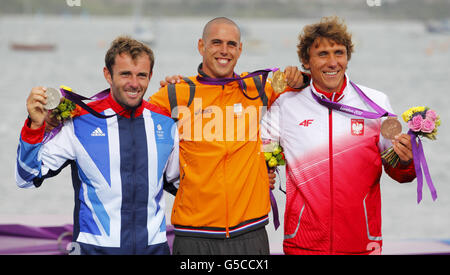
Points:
(390, 128)
(279, 82)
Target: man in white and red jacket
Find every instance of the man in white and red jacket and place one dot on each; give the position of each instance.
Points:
(333, 170)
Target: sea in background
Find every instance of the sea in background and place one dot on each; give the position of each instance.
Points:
(399, 58)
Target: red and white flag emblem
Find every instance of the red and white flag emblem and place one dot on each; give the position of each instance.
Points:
(357, 127)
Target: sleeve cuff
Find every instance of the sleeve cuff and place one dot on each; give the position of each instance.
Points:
(406, 165)
(32, 136)
(306, 81)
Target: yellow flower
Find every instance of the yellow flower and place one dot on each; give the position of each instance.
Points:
(407, 115)
(419, 109)
(438, 121)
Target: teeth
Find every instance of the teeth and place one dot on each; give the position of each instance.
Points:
(222, 61)
(330, 73)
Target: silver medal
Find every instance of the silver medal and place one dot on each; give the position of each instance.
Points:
(53, 98)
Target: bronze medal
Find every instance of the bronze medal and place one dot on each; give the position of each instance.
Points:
(279, 82)
(390, 128)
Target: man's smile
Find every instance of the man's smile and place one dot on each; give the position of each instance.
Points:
(223, 61)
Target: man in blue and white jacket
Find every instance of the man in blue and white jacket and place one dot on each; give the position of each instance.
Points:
(118, 163)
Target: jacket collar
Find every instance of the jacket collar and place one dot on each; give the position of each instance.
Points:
(122, 111)
(203, 74)
(336, 96)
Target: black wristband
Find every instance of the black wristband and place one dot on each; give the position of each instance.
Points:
(306, 80)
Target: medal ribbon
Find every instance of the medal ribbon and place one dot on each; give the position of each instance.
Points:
(273, 204)
(78, 99)
(379, 112)
(224, 81)
(419, 164)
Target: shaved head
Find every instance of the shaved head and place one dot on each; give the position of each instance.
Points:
(219, 20)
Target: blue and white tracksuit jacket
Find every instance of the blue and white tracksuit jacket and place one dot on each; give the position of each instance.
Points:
(117, 165)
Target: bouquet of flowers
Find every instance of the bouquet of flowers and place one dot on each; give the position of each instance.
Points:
(422, 122)
(65, 110)
(273, 153)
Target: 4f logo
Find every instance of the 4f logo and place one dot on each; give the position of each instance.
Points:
(73, 3)
(306, 122)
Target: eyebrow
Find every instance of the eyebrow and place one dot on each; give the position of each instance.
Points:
(143, 74)
(129, 72)
(232, 42)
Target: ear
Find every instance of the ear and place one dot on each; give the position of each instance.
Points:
(240, 49)
(306, 64)
(107, 75)
(201, 47)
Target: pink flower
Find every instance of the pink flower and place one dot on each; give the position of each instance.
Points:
(415, 123)
(427, 126)
(431, 115)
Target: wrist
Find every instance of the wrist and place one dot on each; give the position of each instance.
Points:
(32, 124)
(306, 80)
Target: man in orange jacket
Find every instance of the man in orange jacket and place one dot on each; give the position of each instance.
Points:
(222, 203)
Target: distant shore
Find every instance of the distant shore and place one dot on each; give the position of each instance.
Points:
(352, 9)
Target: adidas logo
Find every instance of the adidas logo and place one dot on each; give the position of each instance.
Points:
(98, 133)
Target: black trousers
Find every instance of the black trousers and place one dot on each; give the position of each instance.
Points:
(251, 243)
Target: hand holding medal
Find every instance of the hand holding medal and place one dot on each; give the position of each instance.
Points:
(291, 77)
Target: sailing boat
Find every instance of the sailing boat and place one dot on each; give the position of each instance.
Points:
(31, 45)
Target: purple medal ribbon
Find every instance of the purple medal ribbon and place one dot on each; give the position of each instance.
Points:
(276, 218)
(77, 99)
(380, 112)
(419, 163)
(224, 81)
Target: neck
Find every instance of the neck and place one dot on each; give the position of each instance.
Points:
(329, 94)
(202, 73)
(125, 110)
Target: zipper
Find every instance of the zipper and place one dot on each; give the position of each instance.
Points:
(227, 222)
(133, 215)
(330, 148)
